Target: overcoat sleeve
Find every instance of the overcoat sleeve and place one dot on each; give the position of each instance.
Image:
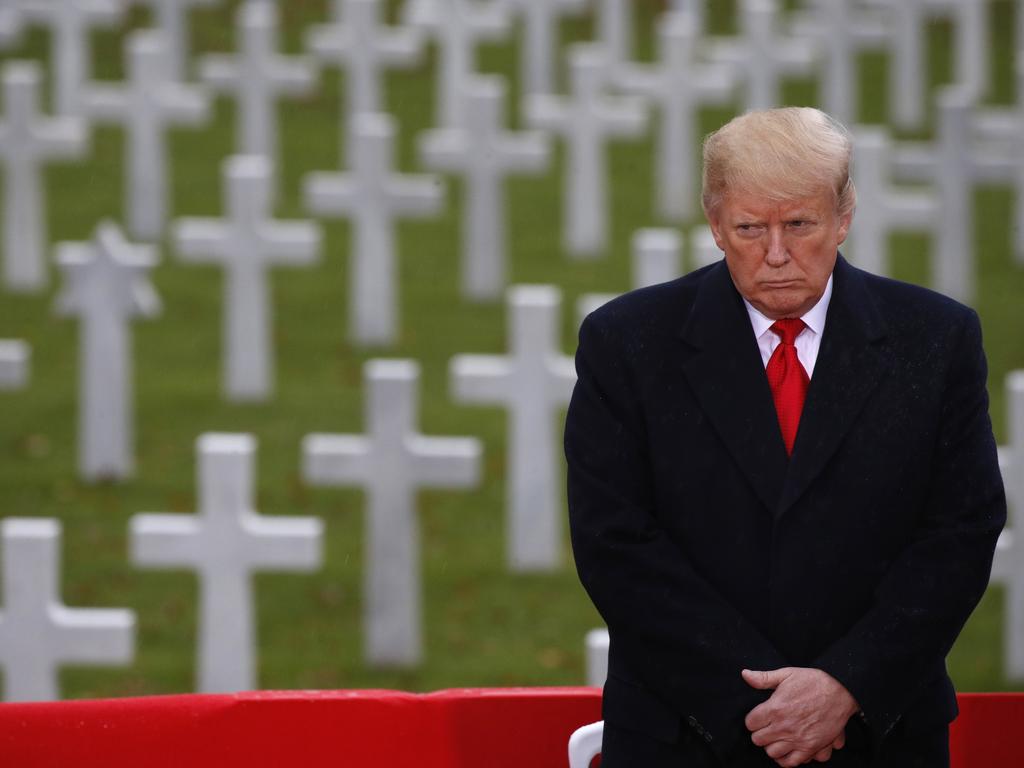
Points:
(681, 638)
(930, 589)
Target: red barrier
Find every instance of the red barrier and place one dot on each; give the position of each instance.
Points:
(484, 728)
(471, 728)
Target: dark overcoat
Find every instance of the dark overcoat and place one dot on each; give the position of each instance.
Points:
(707, 549)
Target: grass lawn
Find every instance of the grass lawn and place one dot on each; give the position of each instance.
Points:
(484, 625)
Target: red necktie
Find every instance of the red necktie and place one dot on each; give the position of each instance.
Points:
(787, 378)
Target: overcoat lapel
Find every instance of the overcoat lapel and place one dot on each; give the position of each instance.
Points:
(851, 360)
(727, 376)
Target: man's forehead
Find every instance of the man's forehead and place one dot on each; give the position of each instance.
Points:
(760, 204)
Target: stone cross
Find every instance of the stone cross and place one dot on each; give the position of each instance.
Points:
(15, 357)
(762, 55)
(842, 31)
(70, 23)
(538, 52)
(392, 462)
(907, 80)
(587, 120)
(695, 9)
(704, 251)
(881, 207)
(10, 23)
(483, 152)
(615, 30)
(225, 543)
(1001, 130)
(247, 242)
(106, 283)
(458, 26)
(373, 196)
(953, 165)
(533, 382)
(38, 633)
(1008, 566)
(171, 18)
(419, 13)
(147, 105)
(656, 259)
(257, 76)
(27, 141)
(680, 85)
(596, 645)
(356, 40)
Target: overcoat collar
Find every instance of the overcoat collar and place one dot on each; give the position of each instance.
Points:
(727, 375)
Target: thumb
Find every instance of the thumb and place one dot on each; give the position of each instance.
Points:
(763, 679)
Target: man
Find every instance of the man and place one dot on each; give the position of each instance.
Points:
(784, 493)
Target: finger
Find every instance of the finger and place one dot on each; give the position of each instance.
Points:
(759, 717)
(794, 759)
(764, 737)
(778, 749)
(840, 741)
(824, 755)
(764, 679)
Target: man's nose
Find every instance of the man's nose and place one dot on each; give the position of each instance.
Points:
(776, 254)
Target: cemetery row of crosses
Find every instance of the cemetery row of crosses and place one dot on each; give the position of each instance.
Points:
(105, 282)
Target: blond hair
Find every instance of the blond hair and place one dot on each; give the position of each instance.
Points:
(783, 154)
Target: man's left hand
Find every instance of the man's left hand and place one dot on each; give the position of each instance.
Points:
(805, 715)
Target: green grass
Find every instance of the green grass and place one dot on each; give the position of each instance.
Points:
(484, 625)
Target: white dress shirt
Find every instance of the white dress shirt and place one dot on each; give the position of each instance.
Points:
(809, 340)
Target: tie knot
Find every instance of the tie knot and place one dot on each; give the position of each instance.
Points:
(788, 329)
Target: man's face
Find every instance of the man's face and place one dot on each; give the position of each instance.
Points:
(780, 254)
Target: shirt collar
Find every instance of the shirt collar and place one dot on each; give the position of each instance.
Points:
(814, 318)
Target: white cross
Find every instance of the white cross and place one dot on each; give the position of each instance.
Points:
(391, 462)
(615, 30)
(373, 197)
(882, 208)
(680, 85)
(1001, 130)
(596, 645)
(10, 23)
(15, 357)
(1008, 566)
(907, 79)
(38, 633)
(257, 77)
(356, 40)
(695, 9)
(247, 242)
(146, 105)
(656, 259)
(532, 382)
(105, 284)
(171, 18)
(953, 165)
(586, 121)
(704, 251)
(225, 543)
(457, 26)
(842, 32)
(763, 55)
(538, 51)
(484, 153)
(70, 23)
(27, 141)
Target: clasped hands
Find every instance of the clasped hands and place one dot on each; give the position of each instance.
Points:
(805, 718)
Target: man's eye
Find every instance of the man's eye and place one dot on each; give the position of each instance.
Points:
(799, 224)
